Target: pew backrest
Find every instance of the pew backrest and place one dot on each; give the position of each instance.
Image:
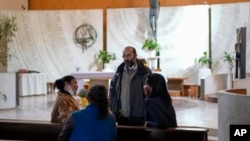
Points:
(43, 130)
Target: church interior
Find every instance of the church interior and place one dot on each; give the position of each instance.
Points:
(61, 37)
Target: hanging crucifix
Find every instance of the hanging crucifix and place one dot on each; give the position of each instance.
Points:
(153, 17)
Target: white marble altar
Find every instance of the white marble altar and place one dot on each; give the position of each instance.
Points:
(94, 78)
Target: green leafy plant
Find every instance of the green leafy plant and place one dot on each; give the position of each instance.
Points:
(83, 93)
(3, 96)
(106, 56)
(205, 59)
(8, 27)
(151, 44)
(228, 57)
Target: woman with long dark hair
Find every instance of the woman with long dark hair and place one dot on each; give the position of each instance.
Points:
(94, 123)
(159, 111)
(65, 103)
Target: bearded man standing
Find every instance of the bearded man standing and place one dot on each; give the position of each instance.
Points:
(126, 92)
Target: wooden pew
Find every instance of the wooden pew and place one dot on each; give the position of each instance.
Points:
(46, 131)
(130, 133)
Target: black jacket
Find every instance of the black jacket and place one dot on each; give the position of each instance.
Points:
(158, 114)
(136, 92)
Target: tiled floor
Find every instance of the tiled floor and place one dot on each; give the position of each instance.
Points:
(194, 112)
(189, 111)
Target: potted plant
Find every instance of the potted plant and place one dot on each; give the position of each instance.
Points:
(8, 27)
(3, 96)
(83, 94)
(204, 71)
(106, 57)
(152, 46)
(205, 59)
(229, 58)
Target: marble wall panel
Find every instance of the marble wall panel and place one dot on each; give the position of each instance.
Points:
(182, 34)
(44, 41)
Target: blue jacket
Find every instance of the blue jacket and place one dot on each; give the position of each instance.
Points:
(158, 114)
(84, 125)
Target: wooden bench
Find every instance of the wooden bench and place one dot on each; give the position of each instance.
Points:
(46, 131)
(174, 92)
(174, 85)
(191, 90)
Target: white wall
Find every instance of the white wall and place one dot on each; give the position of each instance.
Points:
(45, 41)
(182, 34)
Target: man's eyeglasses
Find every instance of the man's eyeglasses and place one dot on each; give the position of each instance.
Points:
(127, 56)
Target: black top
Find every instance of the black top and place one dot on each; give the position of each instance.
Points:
(158, 114)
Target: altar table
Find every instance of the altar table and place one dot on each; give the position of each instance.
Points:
(94, 78)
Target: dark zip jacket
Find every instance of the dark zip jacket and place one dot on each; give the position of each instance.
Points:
(136, 92)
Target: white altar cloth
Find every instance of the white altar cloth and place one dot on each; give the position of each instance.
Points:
(94, 77)
(32, 84)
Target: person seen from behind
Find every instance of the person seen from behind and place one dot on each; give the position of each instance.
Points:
(94, 123)
(159, 111)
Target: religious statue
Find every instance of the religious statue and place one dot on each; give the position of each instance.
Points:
(153, 16)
